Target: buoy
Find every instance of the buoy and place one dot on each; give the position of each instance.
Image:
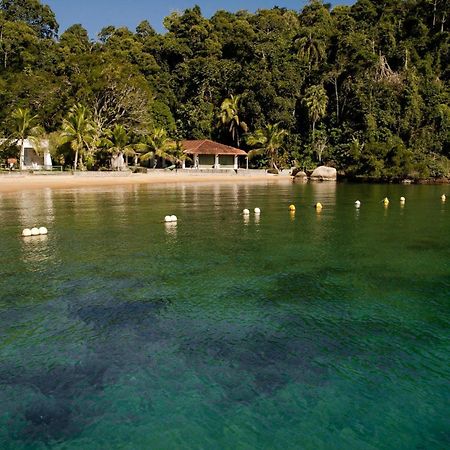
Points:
(386, 201)
(358, 204)
(292, 208)
(318, 206)
(257, 211)
(402, 199)
(35, 231)
(173, 218)
(26, 232)
(43, 231)
(443, 197)
(168, 219)
(246, 212)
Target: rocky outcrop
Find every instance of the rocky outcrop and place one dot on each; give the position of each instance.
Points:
(324, 173)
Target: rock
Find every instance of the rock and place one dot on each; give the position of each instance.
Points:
(300, 174)
(324, 173)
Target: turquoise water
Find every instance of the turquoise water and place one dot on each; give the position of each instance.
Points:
(311, 331)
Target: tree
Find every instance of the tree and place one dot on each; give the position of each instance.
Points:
(157, 144)
(118, 142)
(316, 101)
(25, 125)
(79, 132)
(270, 139)
(229, 117)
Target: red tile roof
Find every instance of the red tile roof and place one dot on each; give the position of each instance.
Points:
(207, 147)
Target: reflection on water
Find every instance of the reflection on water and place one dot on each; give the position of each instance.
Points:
(35, 252)
(171, 229)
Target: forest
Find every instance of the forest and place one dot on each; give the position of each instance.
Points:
(363, 88)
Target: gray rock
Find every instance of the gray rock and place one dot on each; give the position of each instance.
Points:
(324, 173)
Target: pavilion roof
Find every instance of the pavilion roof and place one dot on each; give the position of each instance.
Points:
(207, 147)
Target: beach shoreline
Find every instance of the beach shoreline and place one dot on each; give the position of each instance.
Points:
(32, 182)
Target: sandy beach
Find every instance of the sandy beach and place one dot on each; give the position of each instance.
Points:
(25, 182)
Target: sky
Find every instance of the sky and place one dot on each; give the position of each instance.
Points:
(96, 14)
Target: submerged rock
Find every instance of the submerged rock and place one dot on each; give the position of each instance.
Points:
(324, 173)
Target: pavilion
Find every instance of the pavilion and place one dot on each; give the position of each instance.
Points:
(208, 154)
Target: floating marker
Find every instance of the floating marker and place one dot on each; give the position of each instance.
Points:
(402, 199)
(168, 219)
(318, 206)
(173, 218)
(358, 204)
(443, 197)
(246, 212)
(257, 211)
(43, 231)
(292, 208)
(386, 201)
(35, 231)
(26, 232)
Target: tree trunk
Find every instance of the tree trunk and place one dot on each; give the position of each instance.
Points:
(22, 155)
(76, 161)
(337, 99)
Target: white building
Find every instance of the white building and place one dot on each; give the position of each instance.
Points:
(33, 159)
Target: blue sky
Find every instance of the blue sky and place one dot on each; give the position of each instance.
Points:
(96, 14)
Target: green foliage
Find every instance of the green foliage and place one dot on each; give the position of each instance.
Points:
(363, 87)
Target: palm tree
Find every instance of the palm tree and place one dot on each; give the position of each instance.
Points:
(270, 139)
(118, 142)
(157, 144)
(24, 127)
(79, 131)
(229, 117)
(316, 101)
(310, 50)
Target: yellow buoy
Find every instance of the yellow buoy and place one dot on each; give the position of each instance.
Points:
(402, 199)
(292, 208)
(386, 201)
(319, 206)
(443, 197)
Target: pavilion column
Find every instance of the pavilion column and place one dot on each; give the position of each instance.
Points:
(236, 164)
(183, 164)
(246, 162)
(216, 162)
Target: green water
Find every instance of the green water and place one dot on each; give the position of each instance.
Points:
(313, 331)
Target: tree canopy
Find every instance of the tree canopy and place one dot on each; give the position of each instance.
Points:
(364, 88)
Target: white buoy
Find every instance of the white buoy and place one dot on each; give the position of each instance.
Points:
(402, 199)
(358, 204)
(43, 231)
(246, 212)
(173, 218)
(26, 232)
(257, 211)
(168, 219)
(443, 197)
(35, 231)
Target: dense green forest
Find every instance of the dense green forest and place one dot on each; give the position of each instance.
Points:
(363, 88)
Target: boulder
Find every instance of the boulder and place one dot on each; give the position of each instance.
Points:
(324, 173)
(301, 174)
